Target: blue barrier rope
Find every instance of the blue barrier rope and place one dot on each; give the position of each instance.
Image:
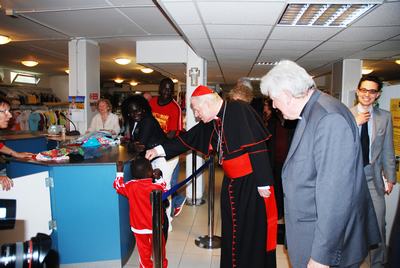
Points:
(179, 185)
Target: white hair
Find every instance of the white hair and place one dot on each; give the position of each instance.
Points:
(287, 75)
(207, 98)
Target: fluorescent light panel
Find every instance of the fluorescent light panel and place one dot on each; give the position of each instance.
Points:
(267, 63)
(324, 15)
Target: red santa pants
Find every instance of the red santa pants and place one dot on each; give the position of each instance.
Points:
(144, 244)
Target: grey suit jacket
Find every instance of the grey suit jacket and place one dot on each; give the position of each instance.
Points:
(329, 214)
(382, 151)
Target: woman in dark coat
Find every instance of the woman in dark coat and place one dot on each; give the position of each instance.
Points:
(143, 129)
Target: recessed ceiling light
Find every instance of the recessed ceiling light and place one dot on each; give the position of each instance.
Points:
(366, 71)
(29, 63)
(123, 61)
(397, 61)
(324, 15)
(133, 83)
(147, 70)
(267, 63)
(4, 39)
(118, 80)
(175, 80)
(67, 71)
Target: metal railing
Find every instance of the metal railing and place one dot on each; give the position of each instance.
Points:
(208, 241)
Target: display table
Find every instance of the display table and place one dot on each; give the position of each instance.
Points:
(91, 220)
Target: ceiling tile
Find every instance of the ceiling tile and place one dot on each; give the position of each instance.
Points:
(182, 12)
(40, 5)
(130, 2)
(236, 63)
(20, 29)
(367, 33)
(195, 31)
(303, 33)
(208, 54)
(335, 45)
(237, 43)
(291, 45)
(377, 55)
(86, 23)
(200, 43)
(246, 12)
(310, 64)
(383, 15)
(260, 71)
(238, 31)
(326, 55)
(158, 25)
(276, 54)
(387, 45)
(236, 53)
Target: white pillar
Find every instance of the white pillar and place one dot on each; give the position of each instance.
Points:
(196, 74)
(84, 75)
(345, 77)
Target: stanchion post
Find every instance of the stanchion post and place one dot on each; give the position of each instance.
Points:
(210, 241)
(156, 201)
(194, 201)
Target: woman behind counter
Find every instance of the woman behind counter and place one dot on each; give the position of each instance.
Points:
(105, 120)
(5, 116)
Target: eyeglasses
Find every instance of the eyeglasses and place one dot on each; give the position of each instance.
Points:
(370, 91)
(5, 111)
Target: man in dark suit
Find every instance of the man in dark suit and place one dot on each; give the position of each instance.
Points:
(376, 131)
(329, 216)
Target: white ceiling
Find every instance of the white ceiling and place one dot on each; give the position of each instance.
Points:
(231, 35)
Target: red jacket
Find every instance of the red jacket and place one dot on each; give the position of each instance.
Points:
(138, 193)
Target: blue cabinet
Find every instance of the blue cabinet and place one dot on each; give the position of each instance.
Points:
(92, 220)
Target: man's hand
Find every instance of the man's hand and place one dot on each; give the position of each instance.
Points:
(6, 183)
(150, 154)
(361, 118)
(264, 191)
(314, 264)
(389, 187)
(120, 166)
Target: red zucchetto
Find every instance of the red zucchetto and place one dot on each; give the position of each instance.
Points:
(201, 90)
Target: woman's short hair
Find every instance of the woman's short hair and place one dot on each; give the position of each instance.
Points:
(241, 92)
(106, 101)
(287, 75)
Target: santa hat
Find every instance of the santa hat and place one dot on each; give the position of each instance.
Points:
(202, 90)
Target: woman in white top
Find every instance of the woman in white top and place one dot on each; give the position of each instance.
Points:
(105, 120)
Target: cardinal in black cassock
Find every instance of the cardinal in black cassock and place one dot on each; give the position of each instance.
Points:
(248, 209)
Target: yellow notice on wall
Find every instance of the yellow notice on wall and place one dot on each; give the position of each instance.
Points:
(395, 110)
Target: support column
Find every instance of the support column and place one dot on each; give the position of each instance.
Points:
(345, 77)
(196, 74)
(84, 76)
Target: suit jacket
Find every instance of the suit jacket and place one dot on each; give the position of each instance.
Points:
(381, 149)
(329, 214)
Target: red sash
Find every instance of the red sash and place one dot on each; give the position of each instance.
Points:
(272, 220)
(237, 167)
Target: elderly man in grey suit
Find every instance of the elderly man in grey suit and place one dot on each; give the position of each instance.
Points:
(376, 133)
(329, 216)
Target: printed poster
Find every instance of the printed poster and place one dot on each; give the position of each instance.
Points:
(395, 110)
